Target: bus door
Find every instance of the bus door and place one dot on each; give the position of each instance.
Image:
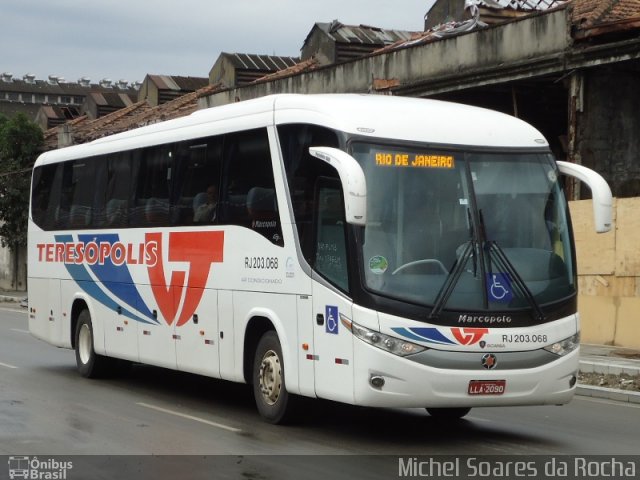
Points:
(333, 343)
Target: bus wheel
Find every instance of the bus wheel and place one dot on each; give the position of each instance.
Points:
(90, 364)
(448, 413)
(274, 403)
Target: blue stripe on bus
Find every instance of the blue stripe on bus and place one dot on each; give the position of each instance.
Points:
(432, 335)
(82, 277)
(117, 279)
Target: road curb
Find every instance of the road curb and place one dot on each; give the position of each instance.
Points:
(611, 367)
(608, 393)
(10, 299)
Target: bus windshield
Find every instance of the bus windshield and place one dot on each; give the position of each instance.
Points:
(465, 231)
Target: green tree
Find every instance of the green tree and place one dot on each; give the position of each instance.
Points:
(20, 143)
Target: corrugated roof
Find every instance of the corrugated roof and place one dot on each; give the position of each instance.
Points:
(178, 83)
(298, 68)
(521, 4)
(362, 34)
(265, 63)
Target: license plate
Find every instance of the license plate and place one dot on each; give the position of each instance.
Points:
(487, 387)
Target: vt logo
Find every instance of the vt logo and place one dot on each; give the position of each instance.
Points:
(198, 250)
(469, 336)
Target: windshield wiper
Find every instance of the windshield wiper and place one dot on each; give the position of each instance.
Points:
(504, 264)
(451, 281)
(472, 251)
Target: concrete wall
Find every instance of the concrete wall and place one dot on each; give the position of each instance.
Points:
(7, 277)
(223, 71)
(445, 11)
(510, 51)
(149, 92)
(609, 274)
(319, 44)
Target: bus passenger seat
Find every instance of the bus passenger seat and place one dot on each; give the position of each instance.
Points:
(80, 216)
(116, 212)
(156, 211)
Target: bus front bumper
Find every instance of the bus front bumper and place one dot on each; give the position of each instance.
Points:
(386, 380)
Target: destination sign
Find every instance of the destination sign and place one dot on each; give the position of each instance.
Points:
(414, 160)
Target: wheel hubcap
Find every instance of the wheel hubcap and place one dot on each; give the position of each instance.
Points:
(84, 344)
(270, 377)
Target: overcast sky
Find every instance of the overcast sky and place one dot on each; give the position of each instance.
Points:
(126, 39)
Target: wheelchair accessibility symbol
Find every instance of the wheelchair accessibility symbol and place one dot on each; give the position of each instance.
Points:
(499, 287)
(331, 314)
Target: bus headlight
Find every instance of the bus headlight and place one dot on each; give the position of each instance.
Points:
(565, 346)
(384, 342)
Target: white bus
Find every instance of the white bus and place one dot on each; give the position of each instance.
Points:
(372, 250)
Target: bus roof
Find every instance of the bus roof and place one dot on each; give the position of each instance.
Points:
(379, 116)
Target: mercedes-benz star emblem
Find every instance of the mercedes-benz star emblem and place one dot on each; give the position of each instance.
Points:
(489, 361)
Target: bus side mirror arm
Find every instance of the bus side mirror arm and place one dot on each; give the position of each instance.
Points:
(600, 191)
(354, 184)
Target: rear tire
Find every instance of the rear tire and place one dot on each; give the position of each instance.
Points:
(274, 403)
(90, 364)
(448, 413)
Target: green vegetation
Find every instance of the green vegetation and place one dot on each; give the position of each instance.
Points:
(20, 143)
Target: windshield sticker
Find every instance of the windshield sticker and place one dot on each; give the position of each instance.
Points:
(378, 264)
(499, 287)
(415, 160)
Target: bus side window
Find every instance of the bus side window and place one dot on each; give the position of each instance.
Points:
(248, 195)
(302, 171)
(263, 212)
(197, 178)
(46, 193)
(330, 238)
(115, 173)
(78, 195)
(154, 187)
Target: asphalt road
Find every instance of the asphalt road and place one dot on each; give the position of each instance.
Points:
(47, 409)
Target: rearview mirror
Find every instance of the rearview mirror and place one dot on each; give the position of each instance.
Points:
(354, 184)
(600, 191)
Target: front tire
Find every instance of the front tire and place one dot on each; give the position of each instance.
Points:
(274, 403)
(90, 364)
